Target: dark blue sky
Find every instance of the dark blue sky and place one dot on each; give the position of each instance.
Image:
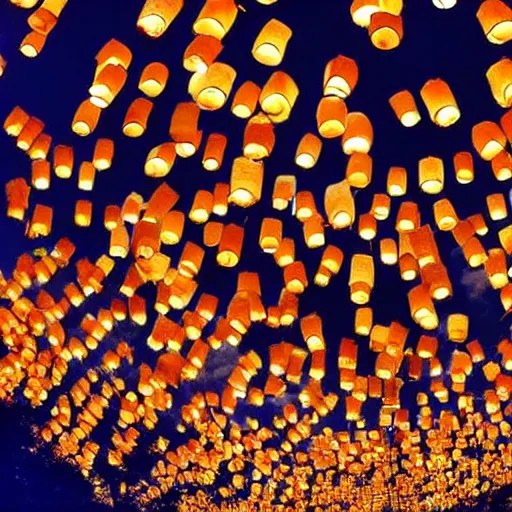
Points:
(446, 44)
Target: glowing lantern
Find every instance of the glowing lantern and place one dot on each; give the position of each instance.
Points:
(41, 223)
(172, 227)
(363, 321)
(308, 151)
(361, 278)
(331, 117)
(119, 242)
(161, 201)
(457, 327)
(210, 90)
(220, 199)
(63, 161)
(367, 226)
(107, 85)
(496, 268)
(422, 308)
(216, 18)
(499, 76)
(278, 96)
(464, 168)
(358, 136)
(40, 147)
(359, 170)
(339, 205)
(284, 191)
(160, 160)
(201, 53)
(86, 176)
(388, 251)
(311, 329)
(259, 138)
(397, 181)
(295, 277)
(502, 166)
(245, 100)
(488, 139)
(408, 217)
(386, 30)
(440, 102)
(41, 174)
(112, 217)
(214, 151)
(212, 233)
(431, 175)
(270, 44)
(362, 11)
(154, 79)
(314, 232)
(285, 254)
(271, 233)
(495, 18)
(230, 246)
(246, 182)
(136, 119)
(157, 15)
(86, 118)
(497, 206)
(340, 77)
(16, 121)
(183, 129)
(33, 44)
(444, 214)
(29, 133)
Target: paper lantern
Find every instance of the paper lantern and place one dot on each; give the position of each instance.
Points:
(496, 268)
(397, 181)
(33, 44)
(45, 17)
(278, 97)
(405, 109)
(113, 53)
(388, 251)
(136, 119)
(339, 205)
(230, 246)
(103, 154)
(107, 85)
(29, 133)
(314, 232)
(220, 199)
(497, 206)
(153, 79)
(444, 214)
(270, 44)
(201, 53)
(427, 347)
(362, 11)
(86, 119)
(408, 217)
(40, 147)
(367, 227)
(216, 18)
(259, 138)
(381, 205)
(331, 117)
(358, 136)
(474, 252)
(440, 102)
(214, 151)
(495, 18)
(422, 308)
(112, 217)
(183, 129)
(464, 168)
(172, 227)
(499, 76)
(157, 15)
(363, 321)
(386, 30)
(41, 174)
(201, 207)
(361, 278)
(285, 253)
(340, 77)
(63, 161)
(271, 233)
(284, 191)
(308, 151)
(212, 233)
(160, 160)
(359, 170)
(431, 175)
(246, 182)
(161, 201)
(16, 121)
(41, 223)
(457, 327)
(210, 90)
(501, 166)
(86, 176)
(311, 329)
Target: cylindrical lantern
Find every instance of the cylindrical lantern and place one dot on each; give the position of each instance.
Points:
(285, 253)
(216, 18)
(464, 168)
(397, 181)
(160, 160)
(331, 117)
(495, 18)
(271, 234)
(499, 76)
(440, 102)
(183, 129)
(497, 206)
(86, 118)
(214, 151)
(496, 268)
(107, 85)
(304, 205)
(202, 207)
(488, 139)
(404, 106)
(112, 217)
(363, 321)
(29, 133)
(340, 76)
(408, 217)
(201, 53)
(212, 233)
(362, 11)
(422, 309)
(444, 214)
(33, 44)
(381, 205)
(63, 161)
(386, 30)
(245, 100)
(358, 136)
(278, 96)
(136, 119)
(115, 53)
(388, 251)
(172, 227)
(230, 246)
(103, 154)
(259, 138)
(339, 205)
(474, 252)
(157, 15)
(154, 79)
(314, 232)
(44, 19)
(246, 182)
(284, 191)
(220, 199)
(308, 151)
(41, 174)
(502, 166)
(40, 147)
(86, 176)
(295, 277)
(83, 213)
(15, 121)
(457, 327)
(361, 278)
(17, 192)
(367, 227)
(359, 170)
(210, 90)
(270, 44)
(431, 175)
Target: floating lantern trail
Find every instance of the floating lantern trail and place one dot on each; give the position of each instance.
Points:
(121, 351)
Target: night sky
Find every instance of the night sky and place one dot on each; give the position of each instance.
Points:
(446, 44)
